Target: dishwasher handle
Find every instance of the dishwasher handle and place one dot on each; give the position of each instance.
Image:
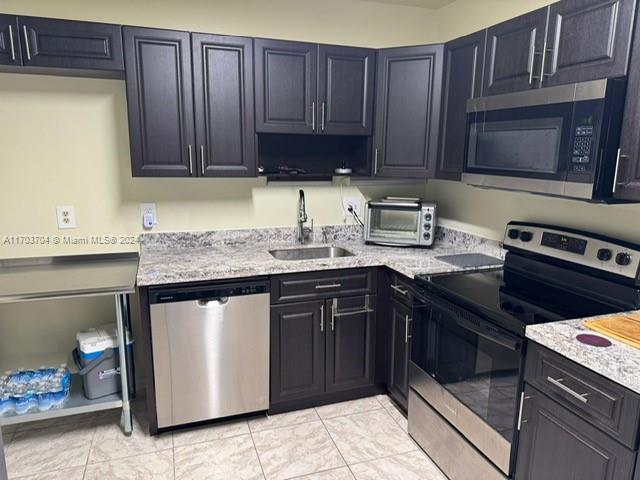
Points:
(212, 302)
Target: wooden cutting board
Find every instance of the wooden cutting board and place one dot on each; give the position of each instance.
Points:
(624, 327)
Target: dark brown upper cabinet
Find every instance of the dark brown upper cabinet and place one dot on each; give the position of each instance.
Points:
(48, 42)
(588, 40)
(286, 86)
(463, 64)
(10, 53)
(160, 102)
(305, 88)
(514, 53)
(627, 170)
(408, 94)
(345, 90)
(223, 93)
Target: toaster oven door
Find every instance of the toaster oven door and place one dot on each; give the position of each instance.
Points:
(393, 225)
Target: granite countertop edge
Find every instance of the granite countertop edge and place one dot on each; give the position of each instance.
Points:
(619, 363)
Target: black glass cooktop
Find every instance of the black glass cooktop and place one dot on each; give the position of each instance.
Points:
(513, 300)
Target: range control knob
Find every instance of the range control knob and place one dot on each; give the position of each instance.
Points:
(526, 236)
(513, 233)
(604, 254)
(428, 217)
(623, 259)
(427, 236)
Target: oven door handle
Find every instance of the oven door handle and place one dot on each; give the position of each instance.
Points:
(511, 342)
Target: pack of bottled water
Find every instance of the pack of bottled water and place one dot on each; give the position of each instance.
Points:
(24, 391)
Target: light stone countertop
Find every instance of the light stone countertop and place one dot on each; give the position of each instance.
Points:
(168, 258)
(619, 362)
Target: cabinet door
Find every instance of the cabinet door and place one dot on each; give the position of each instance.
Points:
(160, 102)
(463, 64)
(223, 93)
(627, 171)
(555, 443)
(588, 40)
(350, 343)
(9, 41)
(514, 53)
(409, 84)
(47, 42)
(345, 90)
(297, 351)
(286, 86)
(400, 344)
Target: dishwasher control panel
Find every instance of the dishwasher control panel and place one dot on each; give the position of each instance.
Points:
(183, 294)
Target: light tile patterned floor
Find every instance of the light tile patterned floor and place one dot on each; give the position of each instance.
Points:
(363, 439)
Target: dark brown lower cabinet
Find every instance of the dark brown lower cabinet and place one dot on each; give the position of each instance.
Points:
(350, 347)
(321, 348)
(297, 351)
(555, 443)
(400, 348)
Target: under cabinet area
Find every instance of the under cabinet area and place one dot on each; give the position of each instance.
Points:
(322, 349)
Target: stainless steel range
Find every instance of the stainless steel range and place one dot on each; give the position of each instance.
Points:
(468, 345)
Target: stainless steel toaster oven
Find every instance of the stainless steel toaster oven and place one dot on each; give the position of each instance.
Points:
(399, 221)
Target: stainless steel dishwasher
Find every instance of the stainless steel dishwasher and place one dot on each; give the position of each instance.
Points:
(210, 348)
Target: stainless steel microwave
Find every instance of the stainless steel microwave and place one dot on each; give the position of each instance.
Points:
(399, 221)
(561, 141)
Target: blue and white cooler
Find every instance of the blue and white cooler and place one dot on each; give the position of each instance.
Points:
(97, 359)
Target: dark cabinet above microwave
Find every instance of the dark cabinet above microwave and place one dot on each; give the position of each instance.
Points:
(305, 88)
(568, 42)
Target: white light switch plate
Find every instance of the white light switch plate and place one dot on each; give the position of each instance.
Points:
(66, 215)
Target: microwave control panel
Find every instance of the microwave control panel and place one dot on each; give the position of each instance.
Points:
(582, 147)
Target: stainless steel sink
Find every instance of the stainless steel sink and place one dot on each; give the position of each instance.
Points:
(310, 253)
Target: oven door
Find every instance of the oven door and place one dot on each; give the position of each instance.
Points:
(393, 224)
(469, 370)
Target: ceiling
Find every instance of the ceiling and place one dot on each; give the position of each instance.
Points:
(431, 4)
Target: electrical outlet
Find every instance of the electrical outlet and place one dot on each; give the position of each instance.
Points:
(148, 214)
(355, 203)
(66, 215)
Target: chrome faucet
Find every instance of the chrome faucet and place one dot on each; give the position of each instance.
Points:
(303, 232)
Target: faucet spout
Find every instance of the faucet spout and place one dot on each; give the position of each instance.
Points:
(302, 217)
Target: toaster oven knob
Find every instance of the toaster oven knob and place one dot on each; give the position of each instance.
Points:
(604, 254)
(513, 233)
(623, 259)
(428, 217)
(526, 236)
(427, 226)
(427, 236)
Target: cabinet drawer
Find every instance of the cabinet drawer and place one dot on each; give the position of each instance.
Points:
(402, 289)
(334, 283)
(603, 403)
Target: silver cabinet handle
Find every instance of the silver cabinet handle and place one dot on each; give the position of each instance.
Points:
(202, 159)
(375, 162)
(322, 123)
(533, 77)
(13, 48)
(522, 400)
(401, 291)
(313, 116)
(558, 383)
(322, 317)
(406, 328)
(190, 160)
(26, 42)
(329, 285)
(334, 305)
(346, 313)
